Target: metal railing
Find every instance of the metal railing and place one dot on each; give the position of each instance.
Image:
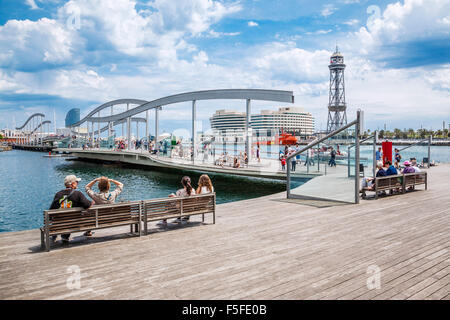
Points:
(430, 141)
(375, 138)
(358, 125)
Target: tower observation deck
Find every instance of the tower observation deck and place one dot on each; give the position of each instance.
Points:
(337, 115)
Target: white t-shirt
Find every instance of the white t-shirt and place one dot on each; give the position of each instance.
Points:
(205, 190)
(183, 193)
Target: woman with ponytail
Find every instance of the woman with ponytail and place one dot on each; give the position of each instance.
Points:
(187, 188)
(186, 191)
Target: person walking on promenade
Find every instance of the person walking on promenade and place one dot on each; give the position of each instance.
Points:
(258, 155)
(332, 162)
(69, 198)
(398, 158)
(297, 157)
(283, 163)
(293, 161)
(379, 155)
(309, 157)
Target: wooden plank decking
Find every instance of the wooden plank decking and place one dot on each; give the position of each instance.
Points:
(259, 249)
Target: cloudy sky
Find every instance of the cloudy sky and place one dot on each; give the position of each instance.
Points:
(56, 55)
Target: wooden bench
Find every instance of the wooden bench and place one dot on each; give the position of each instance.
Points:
(177, 207)
(399, 181)
(415, 179)
(136, 213)
(61, 221)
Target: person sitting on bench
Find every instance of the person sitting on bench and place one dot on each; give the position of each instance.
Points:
(104, 196)
(408, 168)
(391, 171)
(368, 182)
(70, 198)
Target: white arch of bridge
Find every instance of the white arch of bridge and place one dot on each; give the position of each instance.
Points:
(219, 94)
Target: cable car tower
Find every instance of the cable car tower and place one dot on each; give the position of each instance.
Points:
(337, 115)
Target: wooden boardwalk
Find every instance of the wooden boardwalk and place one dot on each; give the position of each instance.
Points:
(259, 249)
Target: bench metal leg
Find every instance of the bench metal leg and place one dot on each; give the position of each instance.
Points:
(42, 240)
(47, 241)
(136, 228)
(214, 217)
(145, 226)
(131, 228)
(203, 218)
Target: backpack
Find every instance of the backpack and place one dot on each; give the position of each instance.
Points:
(64, 201)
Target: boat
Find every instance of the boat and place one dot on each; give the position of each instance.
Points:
(284, 139)
(52, 156)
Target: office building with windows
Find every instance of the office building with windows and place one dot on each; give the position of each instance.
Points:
(294, 120)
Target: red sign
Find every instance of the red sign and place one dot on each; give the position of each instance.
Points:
(387, 151)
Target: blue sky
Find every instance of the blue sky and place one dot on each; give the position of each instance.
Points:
(56, 55)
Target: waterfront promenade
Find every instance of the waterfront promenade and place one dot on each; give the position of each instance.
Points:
(267, 168)
(264, 248)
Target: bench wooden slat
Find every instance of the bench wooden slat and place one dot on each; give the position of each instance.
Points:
(400, 181)
(61, 221)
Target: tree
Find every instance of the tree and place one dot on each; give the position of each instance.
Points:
(1, 136)
(397, 133)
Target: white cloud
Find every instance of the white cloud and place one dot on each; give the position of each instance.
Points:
(34, 44)
(413, 20)
(215, 34)
(252, 24)
(32, 4)
(318, 32)
(328, 10)
(351, 22)
(287, 61)
(154, 35)
(155, 39)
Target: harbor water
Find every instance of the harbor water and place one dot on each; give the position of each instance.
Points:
(28, 183)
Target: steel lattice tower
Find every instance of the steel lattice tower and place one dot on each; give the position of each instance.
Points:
(337, 115)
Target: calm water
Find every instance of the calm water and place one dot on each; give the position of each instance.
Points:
(28, 182)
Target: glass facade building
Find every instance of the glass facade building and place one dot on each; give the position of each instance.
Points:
(73, 116)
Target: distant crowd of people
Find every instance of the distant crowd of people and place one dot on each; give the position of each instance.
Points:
(309, 156)
(70, 197)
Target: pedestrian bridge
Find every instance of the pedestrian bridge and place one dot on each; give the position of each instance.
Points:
(135, 107)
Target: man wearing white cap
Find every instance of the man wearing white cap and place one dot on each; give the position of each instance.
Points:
(69, 198)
